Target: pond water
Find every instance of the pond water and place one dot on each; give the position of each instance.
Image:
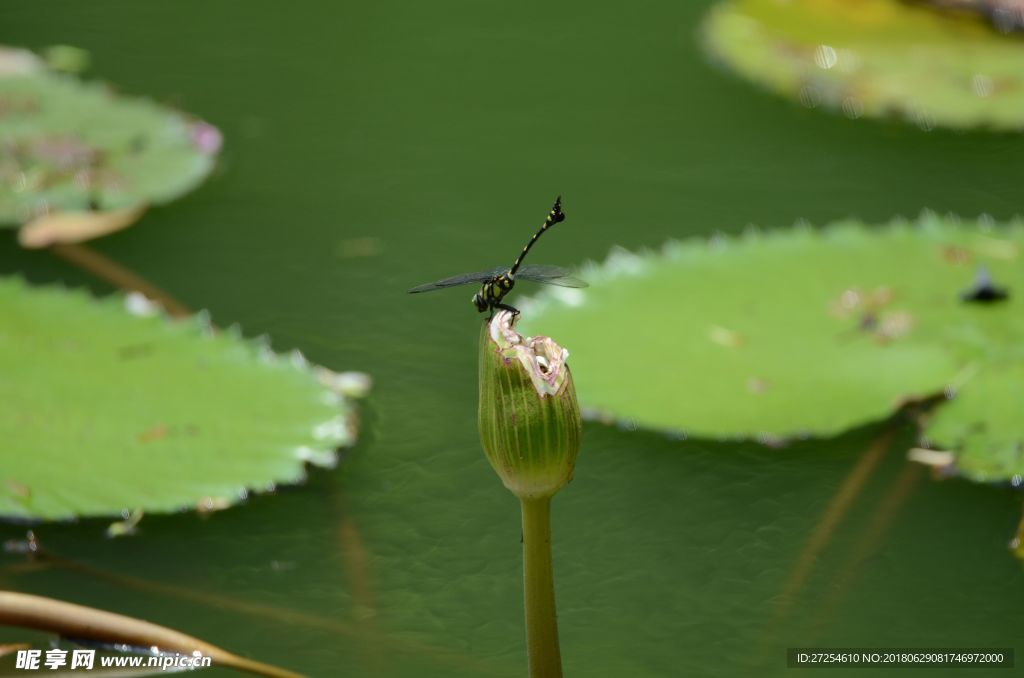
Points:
(374, 146)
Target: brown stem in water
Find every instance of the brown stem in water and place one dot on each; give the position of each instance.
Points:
(117, 275)
(77, 621)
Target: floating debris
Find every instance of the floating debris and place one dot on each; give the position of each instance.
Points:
(1005, 15)
(128, 527)
(984, 290)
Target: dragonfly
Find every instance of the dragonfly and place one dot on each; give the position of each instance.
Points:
(497, 282)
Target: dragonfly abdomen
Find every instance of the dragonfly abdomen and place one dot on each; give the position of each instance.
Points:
(554, 216)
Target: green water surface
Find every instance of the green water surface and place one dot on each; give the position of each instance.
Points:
(373, 146)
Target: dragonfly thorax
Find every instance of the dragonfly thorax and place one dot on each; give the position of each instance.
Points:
(493, 291)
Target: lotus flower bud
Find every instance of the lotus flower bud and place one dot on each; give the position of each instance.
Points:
(529, 417)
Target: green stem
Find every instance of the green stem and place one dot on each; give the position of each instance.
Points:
(541, 619)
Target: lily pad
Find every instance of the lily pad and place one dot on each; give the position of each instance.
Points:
(792, 332)
(875, 58)
(982, 425)
(74, 146)
(107, 410)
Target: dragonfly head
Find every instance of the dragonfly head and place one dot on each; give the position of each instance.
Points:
(480, 301)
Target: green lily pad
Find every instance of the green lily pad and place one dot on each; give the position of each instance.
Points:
(875, 58)
(982, 425)
(787, 333)
(74, 146)
(107, 410)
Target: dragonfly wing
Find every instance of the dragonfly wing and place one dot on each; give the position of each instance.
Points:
(456, 280)
(567, 281)
(564, 281)
(549, 275)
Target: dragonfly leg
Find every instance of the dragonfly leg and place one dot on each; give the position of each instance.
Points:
(511, 309)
